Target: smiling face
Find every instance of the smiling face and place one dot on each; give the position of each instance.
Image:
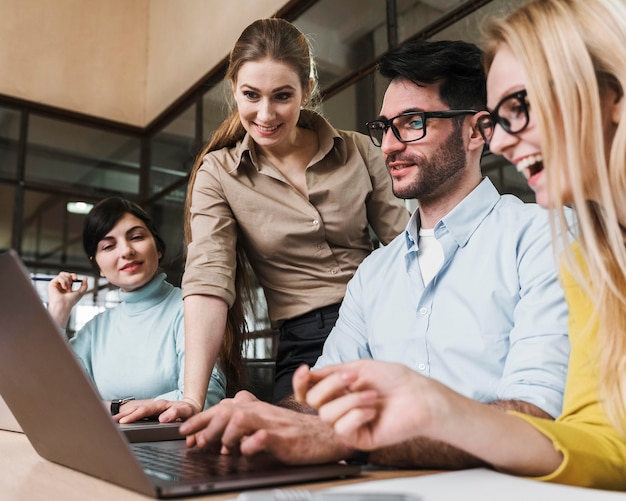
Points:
(506, 77)
(127, 256)
(269, 95)
(427, 168)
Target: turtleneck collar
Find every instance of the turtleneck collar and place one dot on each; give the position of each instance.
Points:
(146, 297)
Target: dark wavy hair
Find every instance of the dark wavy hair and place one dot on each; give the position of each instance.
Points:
(104, 216)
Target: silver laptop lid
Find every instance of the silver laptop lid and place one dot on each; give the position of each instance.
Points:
(62, 415)
(47, 391)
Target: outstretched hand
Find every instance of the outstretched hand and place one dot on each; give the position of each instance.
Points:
(362, 401)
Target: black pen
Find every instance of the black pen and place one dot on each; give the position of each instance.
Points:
(48, 279)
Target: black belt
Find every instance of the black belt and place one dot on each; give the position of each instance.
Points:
(321, 315)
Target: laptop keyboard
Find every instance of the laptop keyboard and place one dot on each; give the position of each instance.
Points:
(181, 464)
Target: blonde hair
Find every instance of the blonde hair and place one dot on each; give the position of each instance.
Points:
(572, 52)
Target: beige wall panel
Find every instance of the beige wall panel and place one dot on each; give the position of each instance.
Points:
(122, 60)
(186, 43)
(88, 56)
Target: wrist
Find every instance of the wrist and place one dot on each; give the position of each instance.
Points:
(196, 407)
(117, 403)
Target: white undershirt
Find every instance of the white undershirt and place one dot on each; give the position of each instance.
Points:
(429, 254)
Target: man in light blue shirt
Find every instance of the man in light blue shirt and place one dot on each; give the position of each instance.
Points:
(467, 295)
(492, 321)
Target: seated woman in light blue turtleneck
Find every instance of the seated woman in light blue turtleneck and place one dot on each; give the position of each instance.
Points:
(136, 349)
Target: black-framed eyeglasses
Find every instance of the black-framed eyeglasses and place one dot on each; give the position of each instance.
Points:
(511, 113)
(409, 126)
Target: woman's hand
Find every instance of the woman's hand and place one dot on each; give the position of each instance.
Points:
(61, 297)
(134, 410)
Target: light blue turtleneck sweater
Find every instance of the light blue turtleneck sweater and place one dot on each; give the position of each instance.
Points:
(138, 347)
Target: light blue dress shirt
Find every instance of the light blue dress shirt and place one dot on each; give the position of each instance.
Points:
(138, 347)
(492, 323)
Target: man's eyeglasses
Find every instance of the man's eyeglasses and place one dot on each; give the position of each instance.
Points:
(409, 126)
(511, 113)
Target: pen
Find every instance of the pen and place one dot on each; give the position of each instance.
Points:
(48, 279)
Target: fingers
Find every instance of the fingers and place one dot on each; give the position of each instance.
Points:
(197, 422)
(254, 443)
(208, 427)
(354, 427)
(63, 283)
(301, 383)
(241, 424)
(334, 410)
(140, 409)
(304, 379)
(178, 411)
(228, 424)
(331, 387)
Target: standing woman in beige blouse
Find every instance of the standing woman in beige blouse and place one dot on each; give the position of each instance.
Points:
(278, 183)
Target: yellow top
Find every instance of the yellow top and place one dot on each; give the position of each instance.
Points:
(594, 452)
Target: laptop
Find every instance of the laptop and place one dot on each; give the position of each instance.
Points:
(62, 415)
(149, 430)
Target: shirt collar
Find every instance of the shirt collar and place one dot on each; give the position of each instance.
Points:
(462, 221)
(328, 137)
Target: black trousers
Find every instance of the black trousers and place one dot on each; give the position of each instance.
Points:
(301, 342)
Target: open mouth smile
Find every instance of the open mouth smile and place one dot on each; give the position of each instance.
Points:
(530, 166)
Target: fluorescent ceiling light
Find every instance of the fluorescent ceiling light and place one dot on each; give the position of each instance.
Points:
(79, 207)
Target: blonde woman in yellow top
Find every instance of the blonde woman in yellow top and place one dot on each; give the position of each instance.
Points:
(556, 81)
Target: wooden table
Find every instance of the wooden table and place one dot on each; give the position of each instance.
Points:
(25, 476)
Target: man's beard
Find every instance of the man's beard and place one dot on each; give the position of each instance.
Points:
(435, 174)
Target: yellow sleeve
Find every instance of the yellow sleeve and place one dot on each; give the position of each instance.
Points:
(594, 452)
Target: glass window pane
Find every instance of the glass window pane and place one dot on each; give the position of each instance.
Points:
(469, 28)
(7, 200)
(415, 15)
(167, 215)
(62, 153)
(353, 106)
(216, 108)
(173, 151)
(346, 35)
(51, 238)
(9, 134)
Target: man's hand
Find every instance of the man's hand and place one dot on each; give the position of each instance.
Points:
(411, 421)
(370, 404)
(247, 425)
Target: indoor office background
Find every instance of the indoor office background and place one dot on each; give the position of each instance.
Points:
(53, 153)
